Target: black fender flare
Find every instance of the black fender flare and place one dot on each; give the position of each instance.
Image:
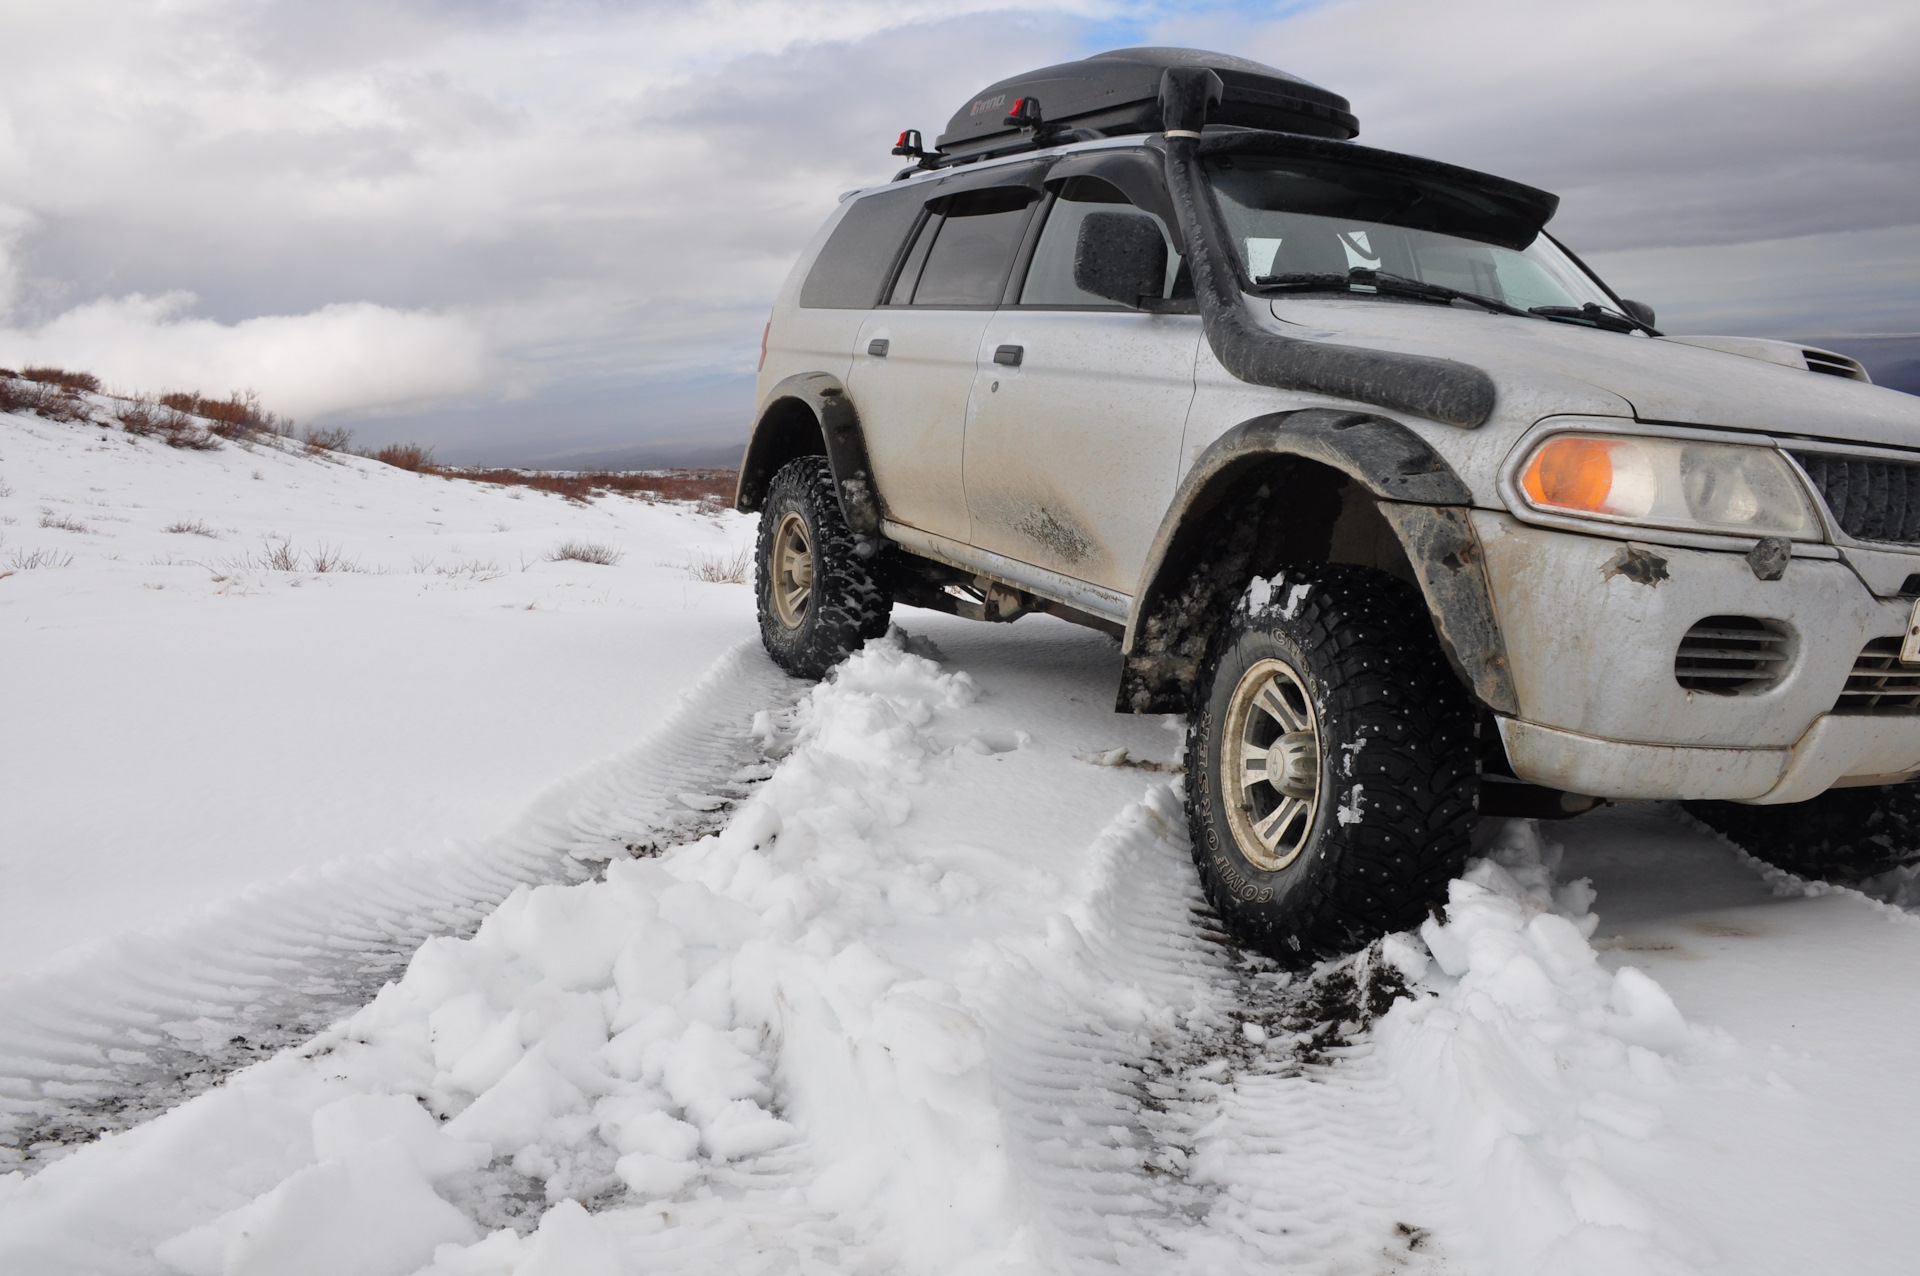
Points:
(824, 396)
(1188, 584)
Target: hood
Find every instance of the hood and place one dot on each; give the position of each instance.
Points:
(1534, 362)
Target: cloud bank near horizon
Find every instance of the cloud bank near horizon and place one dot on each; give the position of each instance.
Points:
(514, 228)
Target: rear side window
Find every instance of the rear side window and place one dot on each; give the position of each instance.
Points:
(854, 263)
(975, 237)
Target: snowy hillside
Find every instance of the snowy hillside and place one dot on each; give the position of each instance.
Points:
(694, 968)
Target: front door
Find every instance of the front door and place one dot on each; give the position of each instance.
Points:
(915, 357)
(1072, 451)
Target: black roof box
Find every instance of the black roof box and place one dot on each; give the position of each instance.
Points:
(1119, 92)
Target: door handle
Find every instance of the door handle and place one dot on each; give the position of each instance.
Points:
(878, 347)
(1010, 355)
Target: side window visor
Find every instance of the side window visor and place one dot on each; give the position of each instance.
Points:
(966, 248)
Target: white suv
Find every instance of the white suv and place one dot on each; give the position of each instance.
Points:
(1371, 477)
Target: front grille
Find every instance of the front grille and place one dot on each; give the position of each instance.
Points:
(1871, 499)
(1730, 655)
(1834, 365)
(1879, 683)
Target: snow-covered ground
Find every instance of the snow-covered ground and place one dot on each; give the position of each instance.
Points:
(931, 990)
(183, 721)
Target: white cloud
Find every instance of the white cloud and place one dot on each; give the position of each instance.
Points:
(1854, 282)
(336, 359)
(565, 201)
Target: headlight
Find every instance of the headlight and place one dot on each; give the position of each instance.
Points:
(1680, 483)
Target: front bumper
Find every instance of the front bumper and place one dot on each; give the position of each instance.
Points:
(1837, 749)
(1591, 628)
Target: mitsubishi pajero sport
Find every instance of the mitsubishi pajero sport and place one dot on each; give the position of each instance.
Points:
(1371, 478)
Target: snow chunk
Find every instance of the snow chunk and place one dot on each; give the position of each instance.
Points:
(1531, 1061)
(1348, 812)
(370, 1212)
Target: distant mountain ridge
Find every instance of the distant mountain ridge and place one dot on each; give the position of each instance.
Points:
(655, 456)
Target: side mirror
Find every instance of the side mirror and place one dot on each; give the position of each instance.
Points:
(1122, 257)
(1639, 310)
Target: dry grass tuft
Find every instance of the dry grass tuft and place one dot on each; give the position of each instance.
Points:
(585, 552)
(722, 569)
(25, 562)
(326, 559)
(190, 528)
(49, 519)
(281, 556)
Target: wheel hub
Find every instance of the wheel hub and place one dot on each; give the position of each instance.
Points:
(792, 571)
(1270, 765)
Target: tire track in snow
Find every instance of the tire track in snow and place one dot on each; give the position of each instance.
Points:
(1155, 1133)
(140, 1023)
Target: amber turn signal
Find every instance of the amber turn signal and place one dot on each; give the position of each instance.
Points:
(1572, 473)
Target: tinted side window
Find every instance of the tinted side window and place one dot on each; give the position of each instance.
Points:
(973, 247)
(1049, 279)
(857, 258)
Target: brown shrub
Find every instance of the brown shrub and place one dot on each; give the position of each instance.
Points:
(17, 395)
(406, 456)
(61, 405)
(140, 417)
(181, 432)
(645, 485)
(335, 438)
(238, 416)
(62, 522)
(22, 394)
(82, 382)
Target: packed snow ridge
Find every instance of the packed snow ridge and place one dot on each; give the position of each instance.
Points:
(933, 990)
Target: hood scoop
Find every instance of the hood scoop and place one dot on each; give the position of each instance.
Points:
(1784, 353)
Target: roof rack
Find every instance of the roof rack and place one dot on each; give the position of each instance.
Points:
(1118, 93)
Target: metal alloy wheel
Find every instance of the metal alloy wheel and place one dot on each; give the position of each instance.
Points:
(792, 566)
(1270, 765)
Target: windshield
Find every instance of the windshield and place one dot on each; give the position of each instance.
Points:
(1301, 216)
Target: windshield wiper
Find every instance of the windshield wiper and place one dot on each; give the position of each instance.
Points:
(1597, 315)
(1385, 284)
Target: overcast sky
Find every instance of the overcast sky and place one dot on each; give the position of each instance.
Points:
(512, 228)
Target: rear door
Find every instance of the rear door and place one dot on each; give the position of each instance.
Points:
(1078, 408)
(915, 357)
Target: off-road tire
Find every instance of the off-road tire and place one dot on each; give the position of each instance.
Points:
(849, 602)
(1844, 835)
(1397, 779)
